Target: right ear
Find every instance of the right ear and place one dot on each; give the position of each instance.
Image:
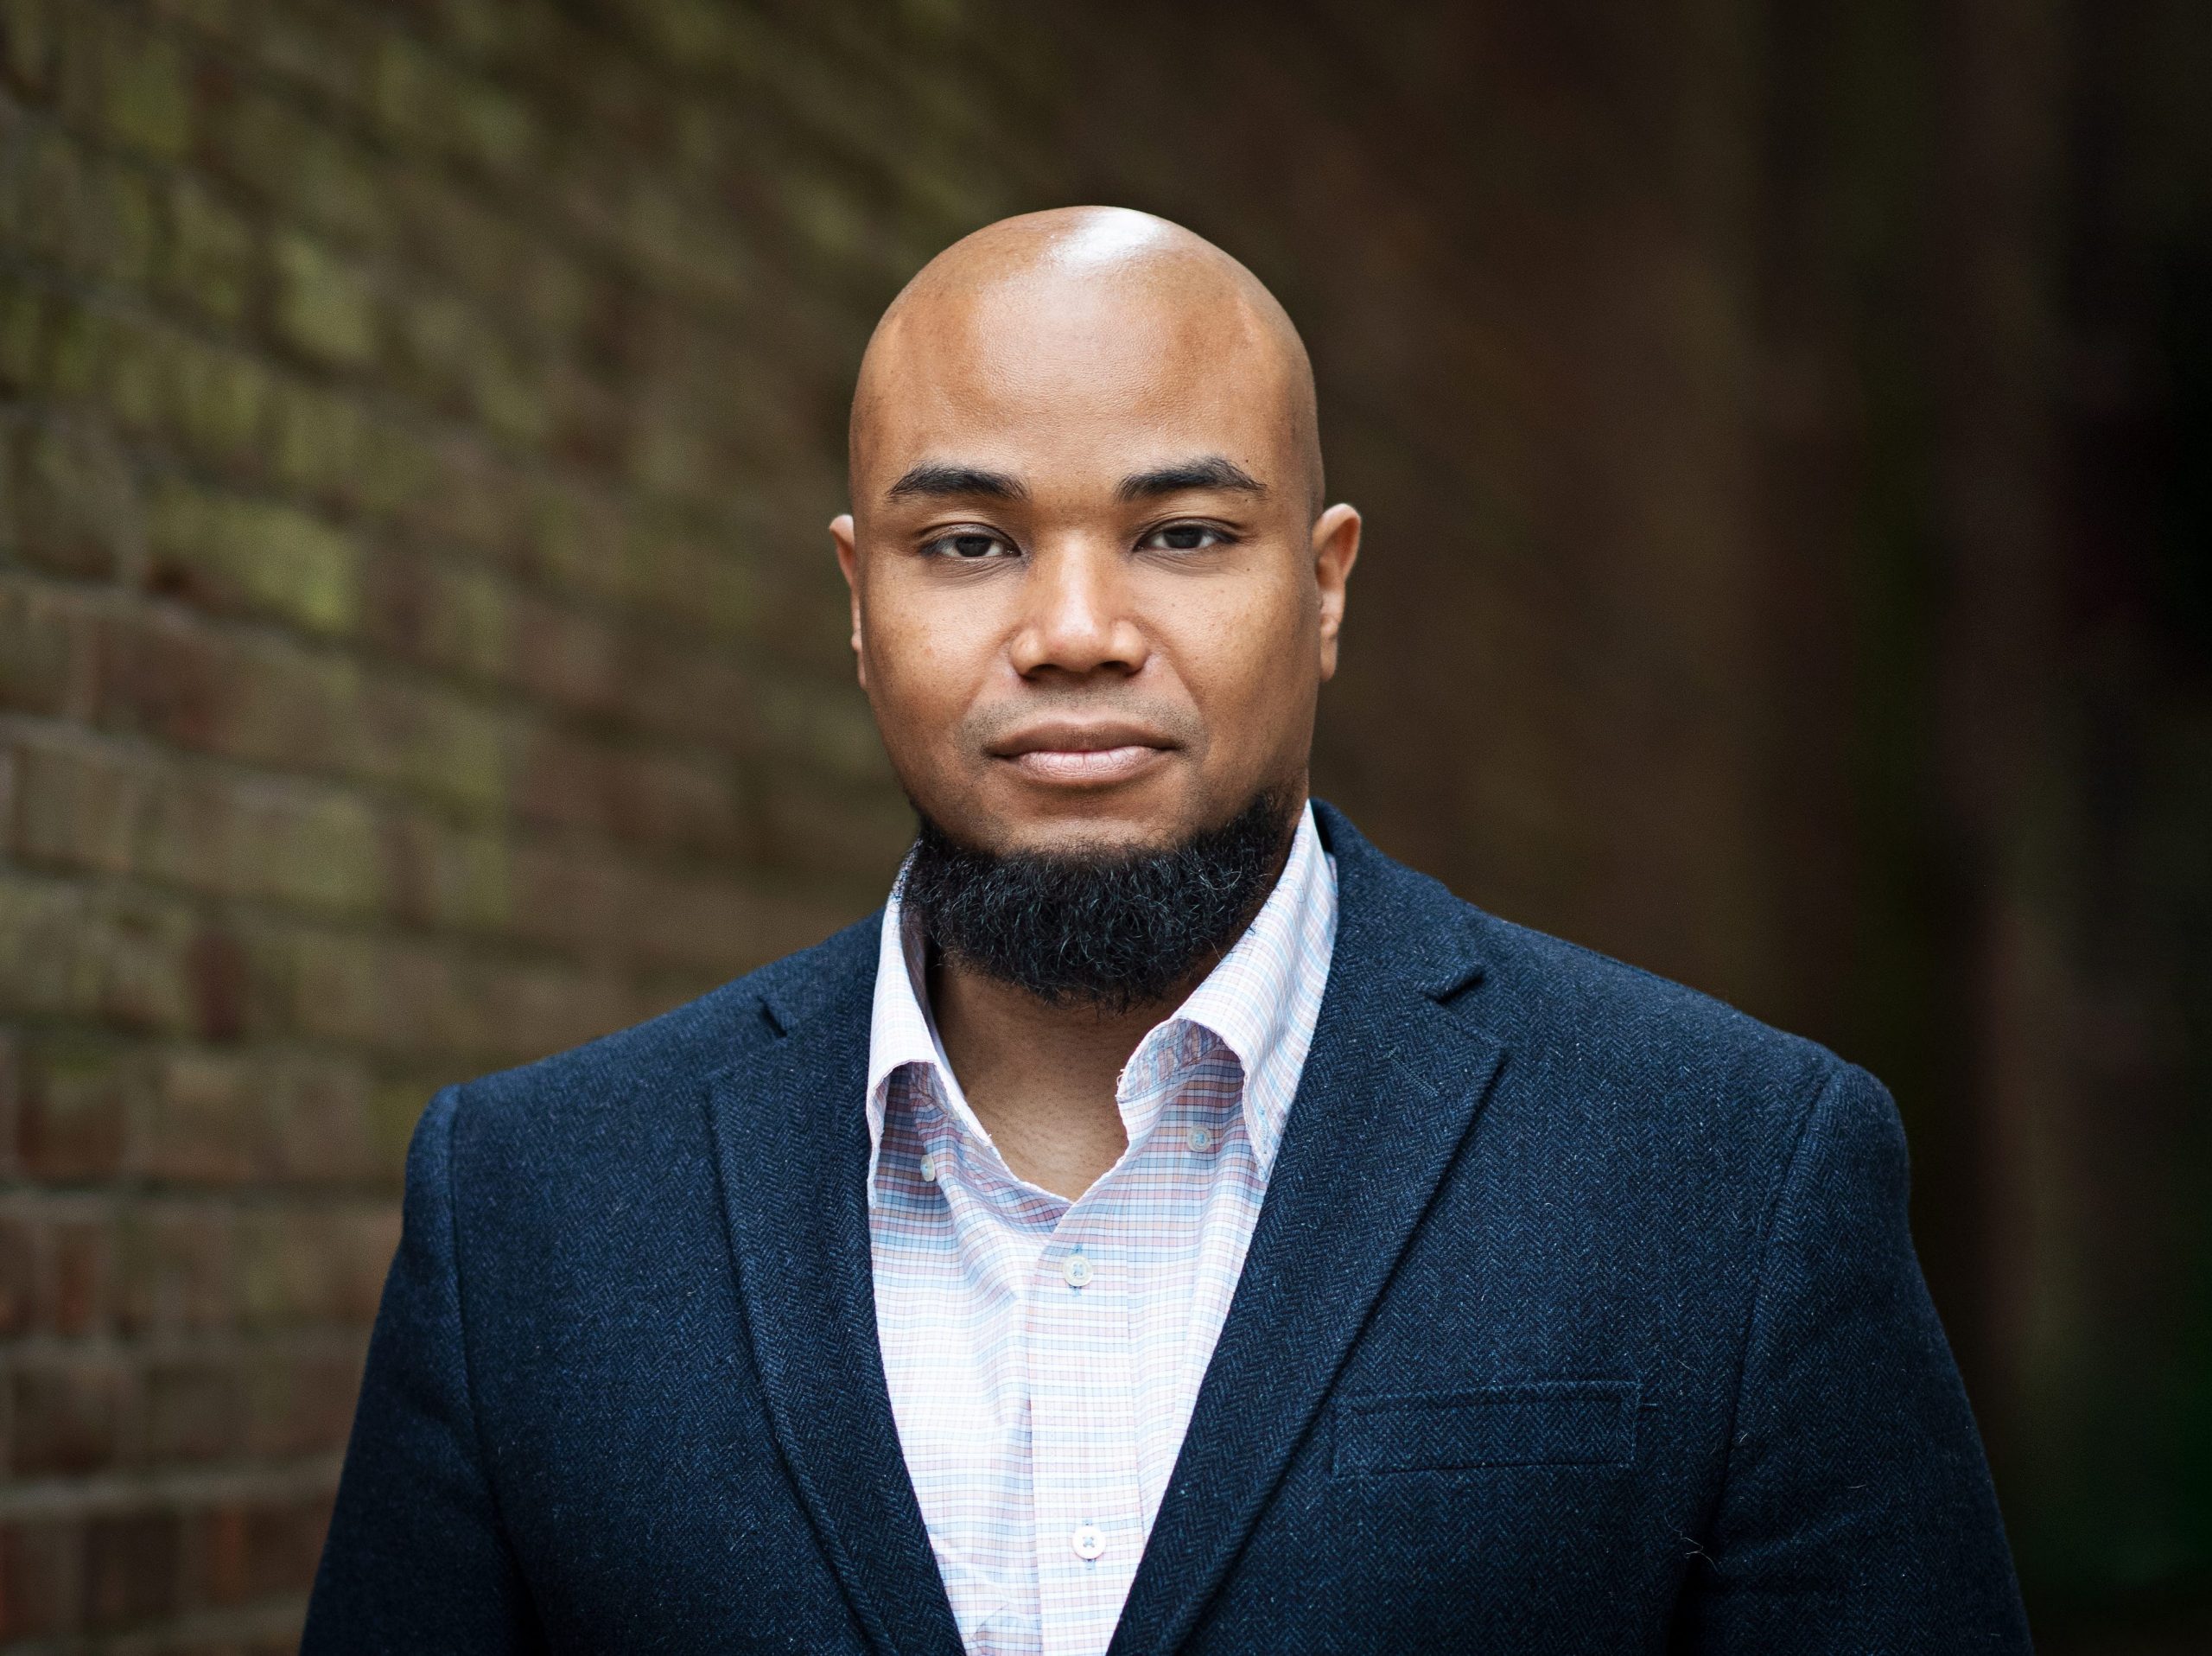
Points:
(849, 564)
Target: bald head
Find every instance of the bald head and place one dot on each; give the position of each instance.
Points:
(1042, 313)
(1094, 591)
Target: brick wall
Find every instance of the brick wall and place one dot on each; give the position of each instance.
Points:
(418, 653)
(420, 650)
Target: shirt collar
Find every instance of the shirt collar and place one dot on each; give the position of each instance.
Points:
(1261, 1001)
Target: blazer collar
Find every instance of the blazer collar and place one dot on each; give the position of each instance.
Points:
(1392, 1081)
(791, 1150)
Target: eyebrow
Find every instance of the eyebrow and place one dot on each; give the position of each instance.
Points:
(932, 479)
(1212, 471)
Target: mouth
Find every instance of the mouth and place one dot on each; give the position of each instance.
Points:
(1068, 753)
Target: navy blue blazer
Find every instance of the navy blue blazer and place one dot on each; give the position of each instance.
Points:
(1581, 1316)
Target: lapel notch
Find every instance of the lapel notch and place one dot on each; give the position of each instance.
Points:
(1394, 1082)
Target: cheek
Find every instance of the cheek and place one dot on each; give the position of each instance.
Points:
(925, 660)
(1245, 650)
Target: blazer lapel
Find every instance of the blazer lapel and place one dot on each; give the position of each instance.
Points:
(1392, 1083)
(792, 1146)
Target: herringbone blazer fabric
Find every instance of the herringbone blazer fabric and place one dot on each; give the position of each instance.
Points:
(1582, 1314)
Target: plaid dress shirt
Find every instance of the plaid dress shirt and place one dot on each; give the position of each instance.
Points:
(1044, 1356)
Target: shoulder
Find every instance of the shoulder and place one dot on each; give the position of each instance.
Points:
(668, 1057)
(1602, 1039)
(1614, 1016)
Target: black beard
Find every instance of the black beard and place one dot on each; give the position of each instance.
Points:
(1109, 929)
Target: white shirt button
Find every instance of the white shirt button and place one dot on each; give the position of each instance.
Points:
(928, 1170)
(1201, 1139)
(1087, 1541)
(1078, 1271)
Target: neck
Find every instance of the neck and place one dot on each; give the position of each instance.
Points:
(1041, 1078)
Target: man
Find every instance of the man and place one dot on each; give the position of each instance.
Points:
(1170, 1225)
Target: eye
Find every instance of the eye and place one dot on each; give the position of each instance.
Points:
(970, 546)
(1183, 537)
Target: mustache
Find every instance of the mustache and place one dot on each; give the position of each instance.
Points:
(985, 726)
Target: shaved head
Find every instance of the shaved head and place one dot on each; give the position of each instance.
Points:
(1068, 286)
(1095, 592)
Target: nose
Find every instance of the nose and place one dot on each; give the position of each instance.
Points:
(1076, 615)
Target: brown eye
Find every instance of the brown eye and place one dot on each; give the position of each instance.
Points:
(1183, 537)
(969, 545)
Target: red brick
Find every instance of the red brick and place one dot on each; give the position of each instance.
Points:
(11, 1074)
(284, 1541)
(299, 1401)
(300, 1266)
(177, 1267)
(77, 1103)
(18, 1275)
(40, 1559)
(79, 1292)
(67, 1414)
(206, 1124)
(76, 501)
(28, 41)
(195, 1408)
(132, 1568)
(77, 808)
(660, 800)
(45, 650)
(181, 680)
(238, 1552)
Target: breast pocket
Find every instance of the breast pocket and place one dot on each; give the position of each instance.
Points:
(1528, 1422)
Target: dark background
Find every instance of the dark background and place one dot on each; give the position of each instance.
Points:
(1785, 434)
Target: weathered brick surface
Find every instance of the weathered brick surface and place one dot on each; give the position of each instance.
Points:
(419, 648)
(417, 654)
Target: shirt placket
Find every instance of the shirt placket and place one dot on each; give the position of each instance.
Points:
(1088, 1509)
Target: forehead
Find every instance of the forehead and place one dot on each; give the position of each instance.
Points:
(1073, 382)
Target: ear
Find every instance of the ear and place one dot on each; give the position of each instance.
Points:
(1336, 549)
(849, 565)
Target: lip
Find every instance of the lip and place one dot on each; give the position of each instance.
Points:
(1070, 753)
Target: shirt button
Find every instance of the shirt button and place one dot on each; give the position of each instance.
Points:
(1201, 1139)
(1078, 1271)
(1087, 1541)
(928, 1170)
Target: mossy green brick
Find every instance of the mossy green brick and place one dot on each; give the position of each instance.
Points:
(25, 319)
(225, 19)
(219, 402)
(324, 305)
(29, 39)
(210, 252)
(693, 34)
(317, 439)
(231, 553)
(135, 371)
(138, 82)
(79, 352)
(438, 334)
(76, 501)
(325, 180)
(77, 809)
(443, 747)
(428, 103)
(397, 468)
(506, 396)
(45, 647)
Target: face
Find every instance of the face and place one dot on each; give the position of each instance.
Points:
(1091, 603)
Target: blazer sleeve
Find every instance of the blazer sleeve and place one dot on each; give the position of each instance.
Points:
(415, 1559)
(1856, 1512)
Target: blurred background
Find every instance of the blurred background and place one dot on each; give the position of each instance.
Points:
(1785, 433)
